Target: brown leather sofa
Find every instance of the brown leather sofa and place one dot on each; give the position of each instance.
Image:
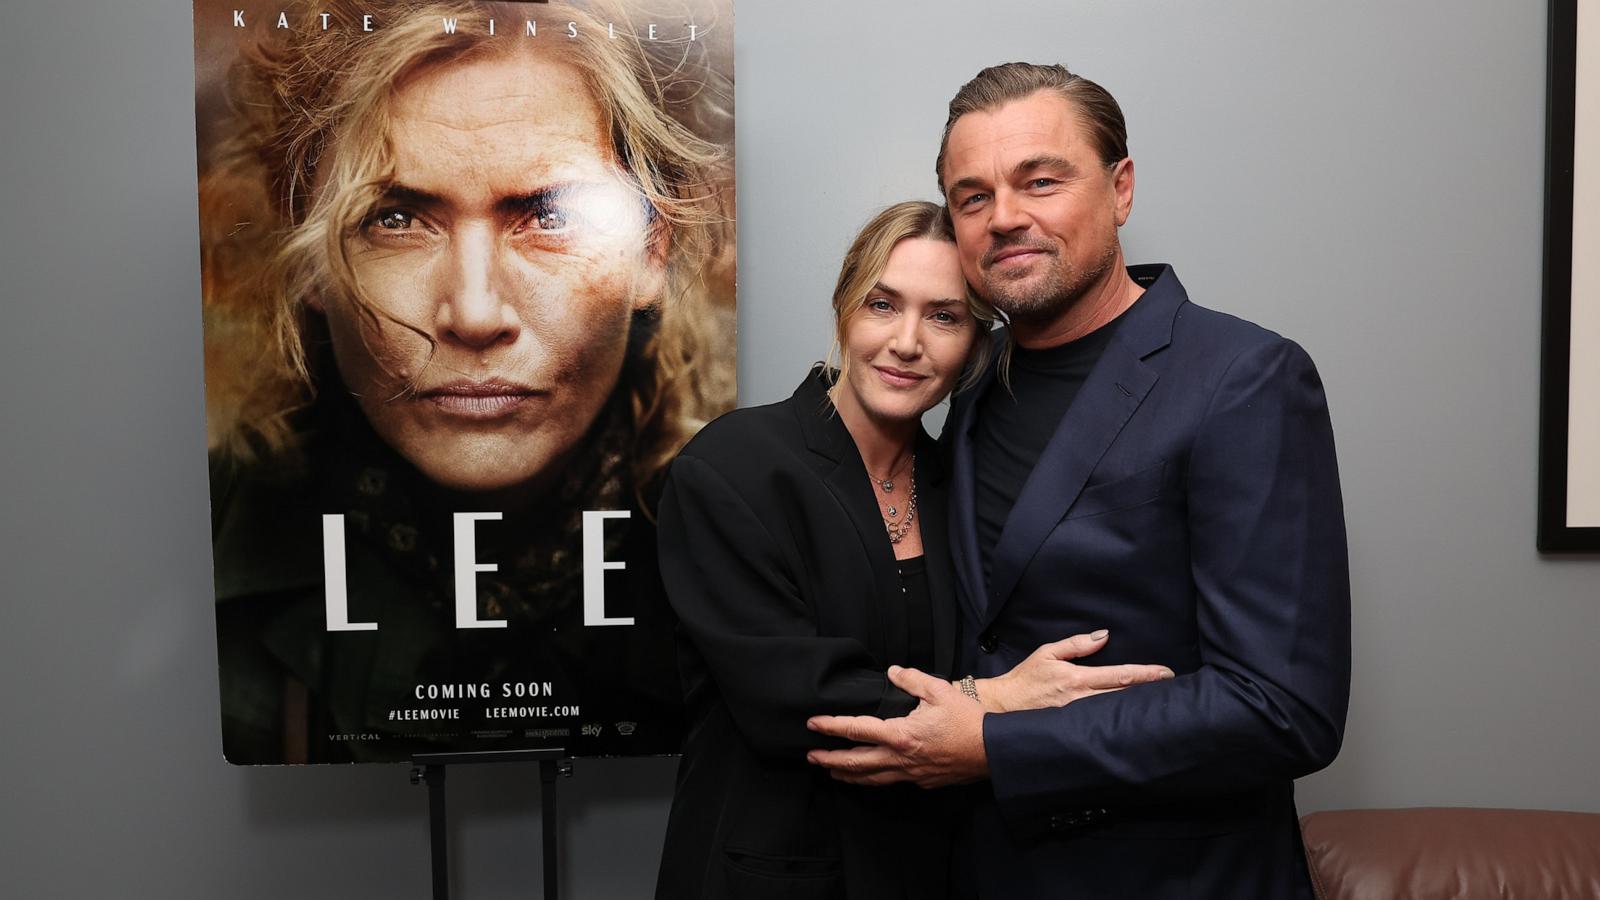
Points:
(1453, 854)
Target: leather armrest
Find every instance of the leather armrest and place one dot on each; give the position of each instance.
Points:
(1423, 854)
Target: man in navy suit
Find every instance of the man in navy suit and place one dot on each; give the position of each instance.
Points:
(1154, 469)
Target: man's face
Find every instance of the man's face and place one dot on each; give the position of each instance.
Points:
(509, 239)
(1036, 212)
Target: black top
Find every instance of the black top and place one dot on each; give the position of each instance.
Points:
(919, 612)
(775, 559)
(1014, 426)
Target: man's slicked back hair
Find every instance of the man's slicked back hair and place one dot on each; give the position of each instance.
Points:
(998, 85)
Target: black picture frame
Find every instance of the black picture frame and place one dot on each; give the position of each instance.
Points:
(1555, 534)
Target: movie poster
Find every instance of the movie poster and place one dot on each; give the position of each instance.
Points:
(468, 284)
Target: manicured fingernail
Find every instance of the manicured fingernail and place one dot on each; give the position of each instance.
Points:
(1099, 635)
(811, 758)
(1168, 673)
(893, 669)
(811, 724)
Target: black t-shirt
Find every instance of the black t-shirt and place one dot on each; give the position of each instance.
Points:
(1014, 426)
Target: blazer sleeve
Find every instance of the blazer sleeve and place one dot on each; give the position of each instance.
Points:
(739, 603)
(1270, 575)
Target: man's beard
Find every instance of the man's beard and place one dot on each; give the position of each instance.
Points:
(1048, 297)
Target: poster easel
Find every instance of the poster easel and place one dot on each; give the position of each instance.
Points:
(430, 768)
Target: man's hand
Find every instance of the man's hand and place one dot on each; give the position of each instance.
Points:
(1047, 679)
(939, 744)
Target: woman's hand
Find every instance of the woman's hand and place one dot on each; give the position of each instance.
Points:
(1047, 678)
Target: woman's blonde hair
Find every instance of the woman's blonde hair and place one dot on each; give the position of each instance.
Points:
(868, 256)
(308, 158)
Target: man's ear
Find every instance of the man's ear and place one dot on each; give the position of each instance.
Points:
(1122, 185)
(652, 281)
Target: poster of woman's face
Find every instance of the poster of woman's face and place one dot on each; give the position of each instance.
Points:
(468, 284)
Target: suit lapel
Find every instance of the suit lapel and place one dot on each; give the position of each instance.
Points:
(1114, 389)
(963, 509)
(1108, 398)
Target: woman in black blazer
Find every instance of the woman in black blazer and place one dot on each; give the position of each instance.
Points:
(795, 555)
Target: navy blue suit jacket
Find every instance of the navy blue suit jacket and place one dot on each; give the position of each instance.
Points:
(1189, 502)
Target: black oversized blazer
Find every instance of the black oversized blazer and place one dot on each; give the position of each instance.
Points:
(775, 560)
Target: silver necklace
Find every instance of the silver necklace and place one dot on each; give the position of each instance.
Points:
(897, 527)
(898, 530)
(887, 484)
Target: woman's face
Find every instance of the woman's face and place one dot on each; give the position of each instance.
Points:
(906, 345)
(509, 238)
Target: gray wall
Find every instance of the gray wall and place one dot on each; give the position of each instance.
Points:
(1363, 176)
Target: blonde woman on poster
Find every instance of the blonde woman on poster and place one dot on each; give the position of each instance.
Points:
(468, 287)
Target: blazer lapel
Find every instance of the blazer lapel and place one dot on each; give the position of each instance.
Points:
(933, 505)
(1114, 389)
(839, 464)
(963, 510)
(848, 481)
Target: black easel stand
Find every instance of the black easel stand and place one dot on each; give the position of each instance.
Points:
(430, 767)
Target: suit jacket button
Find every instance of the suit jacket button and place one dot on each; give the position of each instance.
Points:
(987, 642)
